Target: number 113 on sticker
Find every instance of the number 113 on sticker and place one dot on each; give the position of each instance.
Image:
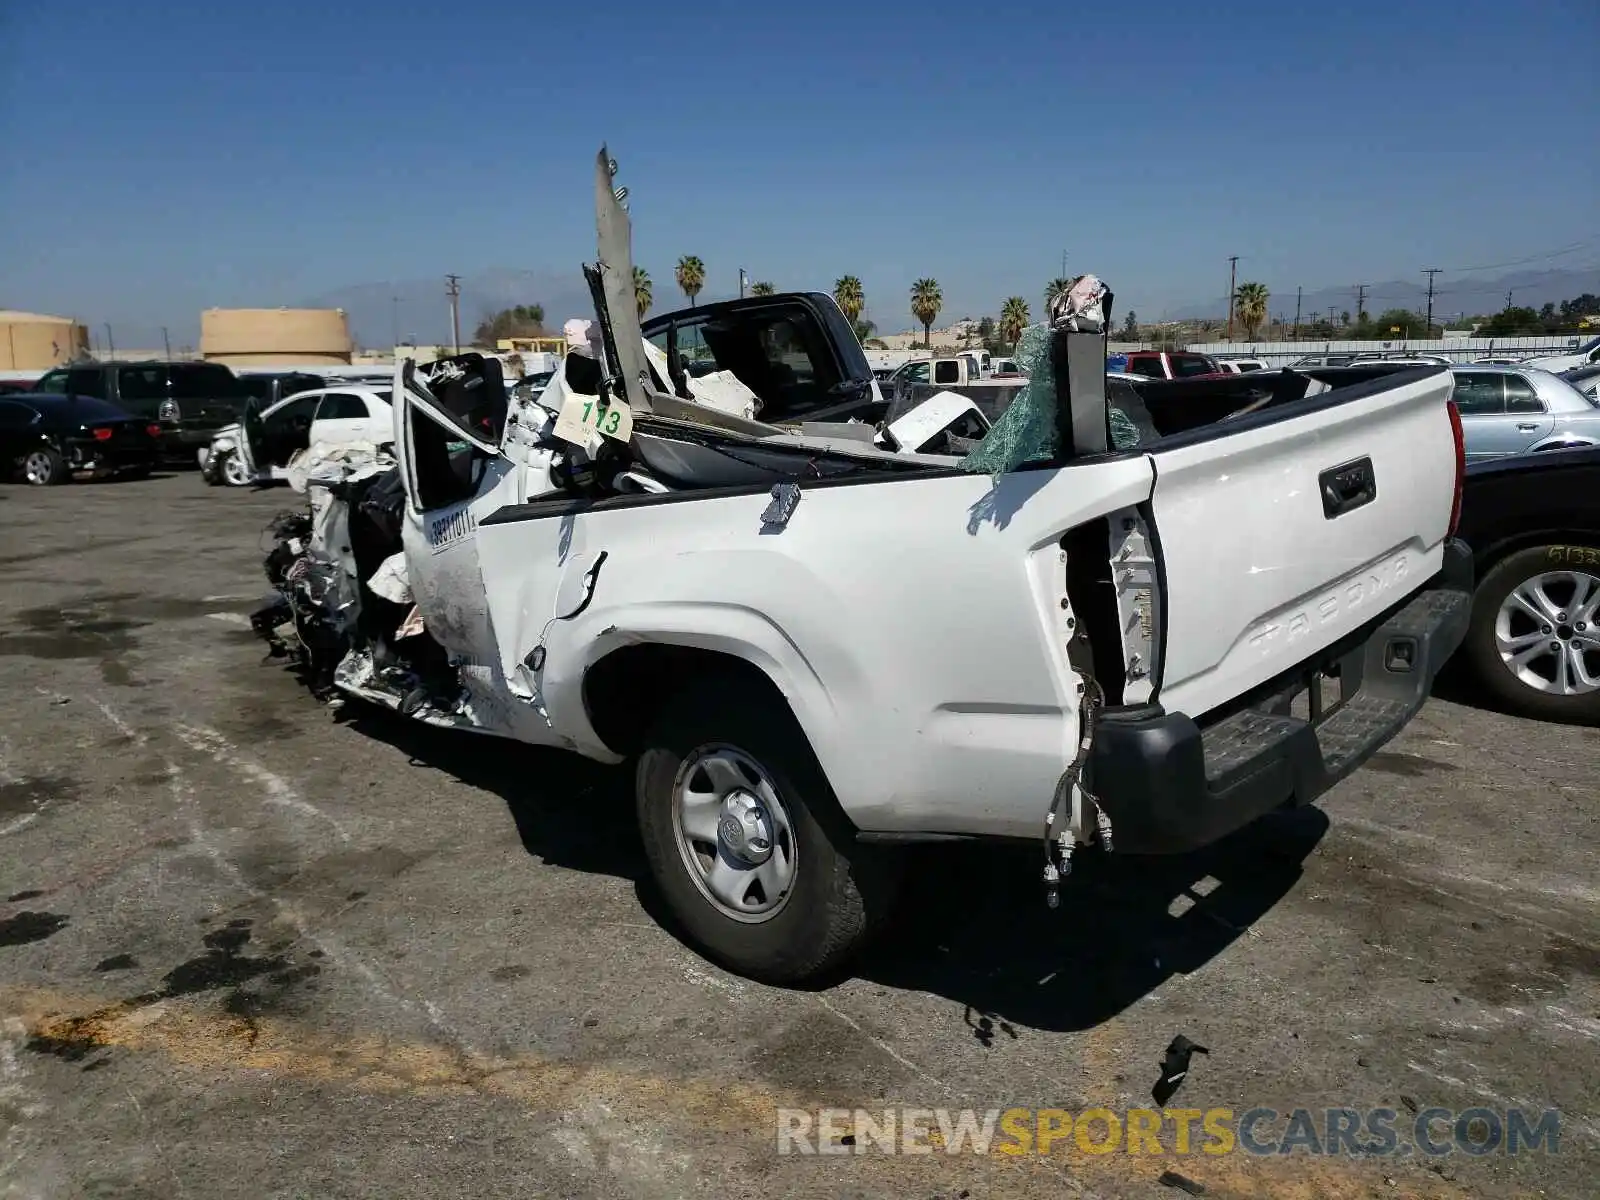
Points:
(583, 416)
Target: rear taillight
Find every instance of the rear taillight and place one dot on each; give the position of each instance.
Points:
(1460, 437)
(102, 434)
(153, 430)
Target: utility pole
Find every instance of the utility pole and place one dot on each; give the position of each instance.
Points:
(394, 320)
(1361, 301)
(166, 341)
(453, 290)
(1508, 305)
(1430, 272)
(1063, 264)
(111, 345)
(1233, 269)
(741, 283)
(1297, 292)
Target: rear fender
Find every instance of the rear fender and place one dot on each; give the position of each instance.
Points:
(1564, 441)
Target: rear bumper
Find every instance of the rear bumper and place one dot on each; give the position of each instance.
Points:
(110, 456)
(1170, 785)
(183, 442)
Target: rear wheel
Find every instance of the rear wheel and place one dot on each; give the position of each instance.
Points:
(44, 467)
(1533, 640)
(747, 843)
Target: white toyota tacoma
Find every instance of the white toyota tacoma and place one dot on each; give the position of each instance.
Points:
(811, 643)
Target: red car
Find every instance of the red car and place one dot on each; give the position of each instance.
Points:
(1171, 364)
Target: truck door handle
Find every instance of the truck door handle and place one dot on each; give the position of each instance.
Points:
(1347, 487)
(1526, 426)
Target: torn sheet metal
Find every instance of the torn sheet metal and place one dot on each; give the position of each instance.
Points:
(1082, 308)
(721, 390)
(615, 238)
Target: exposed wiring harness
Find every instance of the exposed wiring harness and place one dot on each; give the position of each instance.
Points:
(1059, 843)
(535, 659)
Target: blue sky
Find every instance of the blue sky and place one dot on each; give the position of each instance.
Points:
(166, 157)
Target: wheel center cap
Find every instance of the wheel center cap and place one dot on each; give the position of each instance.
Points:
(742, 828)
(1564, 632)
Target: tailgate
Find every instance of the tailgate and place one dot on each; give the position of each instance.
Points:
(207, 414)
(1278, 539)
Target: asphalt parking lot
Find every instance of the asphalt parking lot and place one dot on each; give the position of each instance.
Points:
(254, 946)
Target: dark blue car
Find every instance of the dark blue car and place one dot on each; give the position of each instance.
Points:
(45, 438)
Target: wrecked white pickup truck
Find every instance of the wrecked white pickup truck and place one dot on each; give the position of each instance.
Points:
(1108, 625)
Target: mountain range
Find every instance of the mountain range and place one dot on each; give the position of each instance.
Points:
(418, 309)
(1462, 295)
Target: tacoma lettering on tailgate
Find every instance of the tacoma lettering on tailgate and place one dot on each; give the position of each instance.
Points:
(1366, 593)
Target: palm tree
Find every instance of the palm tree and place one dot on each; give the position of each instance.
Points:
(1250, 304)
(641, 290)
(1013, 320)
(762, 288)
(926, 301)
(1053, 289)
(848, 295)
(691, 276)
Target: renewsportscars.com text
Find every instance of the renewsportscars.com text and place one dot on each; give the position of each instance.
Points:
(1376, 1132)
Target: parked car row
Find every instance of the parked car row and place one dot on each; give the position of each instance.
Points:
(189, 401)
(57, 421)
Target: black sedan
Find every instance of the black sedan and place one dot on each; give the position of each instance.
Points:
(1533, 522)
(44, 439)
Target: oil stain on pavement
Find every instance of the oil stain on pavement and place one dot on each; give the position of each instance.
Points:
(28, 927)
(220, 967)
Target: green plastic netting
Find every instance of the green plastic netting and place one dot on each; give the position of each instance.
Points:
(1026, 431)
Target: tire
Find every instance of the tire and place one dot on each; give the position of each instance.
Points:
(1553, 575)
(44, 467)
(230, 469)
(839, 891)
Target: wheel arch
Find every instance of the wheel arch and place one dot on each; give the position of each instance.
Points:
(625, 690)
(1563, 441)
(1498, 549)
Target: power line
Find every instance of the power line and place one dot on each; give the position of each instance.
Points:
(1517, 262)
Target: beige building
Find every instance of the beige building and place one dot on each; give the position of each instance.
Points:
(34, 342)
(290, 337)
